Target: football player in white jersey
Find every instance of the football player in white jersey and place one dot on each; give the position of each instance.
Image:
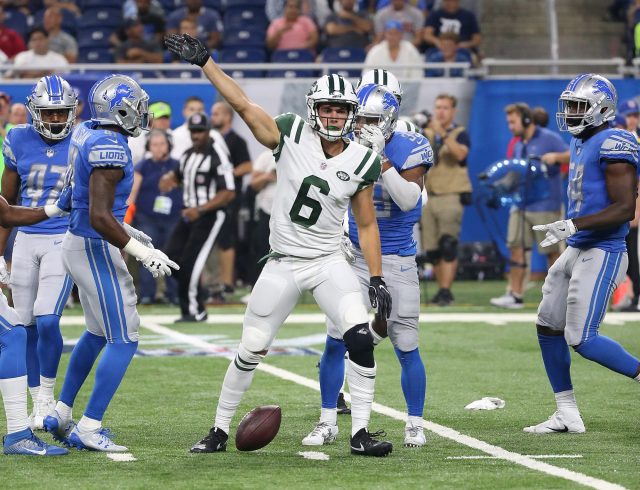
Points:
(320, 173)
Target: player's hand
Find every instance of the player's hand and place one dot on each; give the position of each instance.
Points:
(5, 275)
(138, 235)
(188, 48)
(62, 206)
(560, 230)
(379, 296)
(158, 263)
(346, 247)
(371, 135)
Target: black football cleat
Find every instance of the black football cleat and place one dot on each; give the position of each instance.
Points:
(343, 408)
(214, 442)
(364, 444)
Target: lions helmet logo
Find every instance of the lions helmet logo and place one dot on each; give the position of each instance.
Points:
(121, 92)
(600, 86)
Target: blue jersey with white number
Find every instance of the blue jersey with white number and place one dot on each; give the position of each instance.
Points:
(404, 151)
(90, 149)
(588, 188)
(41, 168)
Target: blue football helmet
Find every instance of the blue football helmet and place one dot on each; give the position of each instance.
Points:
(515, 181)
(377, 105)
(52, 93)
(589, 101)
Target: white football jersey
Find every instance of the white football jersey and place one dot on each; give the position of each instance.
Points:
(313, 192)
(405, 126)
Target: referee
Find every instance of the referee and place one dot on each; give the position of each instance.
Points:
(206, 176)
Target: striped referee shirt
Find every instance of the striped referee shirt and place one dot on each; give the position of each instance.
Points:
(204, 174)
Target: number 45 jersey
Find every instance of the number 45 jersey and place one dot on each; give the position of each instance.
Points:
(313, 192)
(41, 168)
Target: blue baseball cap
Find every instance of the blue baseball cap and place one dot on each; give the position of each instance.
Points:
(629, 106)
(393, 24)
(619, 120)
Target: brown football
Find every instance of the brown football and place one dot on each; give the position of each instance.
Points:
(258, 428)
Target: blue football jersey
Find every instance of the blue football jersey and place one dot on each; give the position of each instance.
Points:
(404, 151)
(587, 189)
(90, 149)
(41, 168)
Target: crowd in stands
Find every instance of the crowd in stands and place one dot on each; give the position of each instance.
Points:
(55, 33)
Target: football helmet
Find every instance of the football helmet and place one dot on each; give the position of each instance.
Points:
(52, 93)
(331, 89)
(588, 101)
(119, 100)
(377, 105)
(382, 77)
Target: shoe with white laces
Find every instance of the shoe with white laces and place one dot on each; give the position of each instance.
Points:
(26, 443)
(414, 436)
(322, 433)
(60, 429)
(561, 421)
(40, 410)
(98, 440)
(508, 301)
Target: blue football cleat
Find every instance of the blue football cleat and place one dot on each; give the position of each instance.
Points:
(58, 428)
(99, 440)
(27, 443)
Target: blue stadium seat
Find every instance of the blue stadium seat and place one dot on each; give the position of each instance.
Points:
(292, 56)
(97, 55)
(169, 6)
(244, 55)
(245, 37)
(241, 17)
(245, 3)
(344, 55)
(94, 37)
(101, 4)
(103, 17)
(17, 21)
(213, 4)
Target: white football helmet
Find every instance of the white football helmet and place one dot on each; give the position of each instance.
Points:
(377, 105)
(52, 93)
(385, 78)
(589, 101)
(331, 89)
(119, 100)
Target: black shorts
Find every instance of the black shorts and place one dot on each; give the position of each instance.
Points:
(228, 237)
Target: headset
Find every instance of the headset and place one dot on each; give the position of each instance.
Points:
(525, 114)
(167, 136)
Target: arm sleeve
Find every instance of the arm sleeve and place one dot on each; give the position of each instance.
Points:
(107, 152)
(404, 193)
(463, 139)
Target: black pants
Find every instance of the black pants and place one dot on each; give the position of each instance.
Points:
(189, 246)
(633, 271)
(259, 243)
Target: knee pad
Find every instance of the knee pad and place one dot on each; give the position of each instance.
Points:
(246, 359)
(432, 256)
(448, 246)
(359, 344)
(255, 338)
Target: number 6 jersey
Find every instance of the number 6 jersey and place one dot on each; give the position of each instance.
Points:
(313, 190)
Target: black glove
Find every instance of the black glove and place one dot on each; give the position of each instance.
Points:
(379, 296)
(188, 48)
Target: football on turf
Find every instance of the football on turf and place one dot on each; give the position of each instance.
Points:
(258, 428)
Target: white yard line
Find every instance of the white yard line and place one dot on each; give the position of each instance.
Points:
(532, 456)
(441, 430)
(121, 457)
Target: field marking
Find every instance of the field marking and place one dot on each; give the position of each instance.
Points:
(438, 429)
(315, 455)
(533, 456)
(121, 457)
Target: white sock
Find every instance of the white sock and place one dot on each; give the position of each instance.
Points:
(64, 411)
(35, 393)
(566, 399)
(14, 396)
(413, 421)
(361, 386)
(46, 388)
(329, 415)
(637, 378)
(87, 424)
(236, 383)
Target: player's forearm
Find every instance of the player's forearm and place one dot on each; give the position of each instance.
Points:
(612, 216)
(369, 237)
(18, 216)
(109, 228)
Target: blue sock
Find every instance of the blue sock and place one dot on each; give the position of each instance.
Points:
(13, 352)
(49, 344)
(610, 354)
(413, 380)
(332, 371)
(557, 361)
(109, 374)
(83, 356)
(33, 365)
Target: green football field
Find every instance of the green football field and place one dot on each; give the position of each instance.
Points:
(168, 398)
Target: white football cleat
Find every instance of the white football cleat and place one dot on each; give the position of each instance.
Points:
(566, 420)
(323, 433)
(98, 440)
(508, 301)
(40, 410)
(414, 436)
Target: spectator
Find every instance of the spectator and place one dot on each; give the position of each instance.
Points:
(209, 23)
(263, 183)
(11, 43)
(17, 115)
(149, 14)
(38, 55)
(5, 108)
(59, 41)
(394, 51)
(318, 10)
(135, 49)
(551, 149)
(449, 52)
(156, 212)
(422, 5)
(449, 189)
(221, 120)
(206, 177)
(292, 30)
(630, 110)
(80, 107)
(181, 134)
(451, 18)
(410, 18)
(347, 28)
(61, 4)
(161, 121)
(540, 116)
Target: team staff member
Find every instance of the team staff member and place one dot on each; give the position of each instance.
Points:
(206, 177)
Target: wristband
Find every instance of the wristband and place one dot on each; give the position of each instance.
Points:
(137, 249)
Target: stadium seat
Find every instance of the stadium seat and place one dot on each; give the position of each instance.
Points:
(17, 21)
(344, 55)
(97, 55)
(244, 55)
(101, 4)
(245, 37)
(213, 4)
(94, 37)
(292, 56)
(103, 17)
(241, 17)
(169, 6)
(245, 3)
